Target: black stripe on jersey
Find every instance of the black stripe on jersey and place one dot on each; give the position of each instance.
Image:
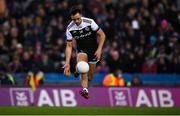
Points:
(87, 21)
(97, 29)
(69, 40)
(71, 25)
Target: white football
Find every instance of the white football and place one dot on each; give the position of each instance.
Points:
(82, 67)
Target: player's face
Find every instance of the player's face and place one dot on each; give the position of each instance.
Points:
(76, 18)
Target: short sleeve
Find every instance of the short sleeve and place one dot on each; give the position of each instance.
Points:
(94, 26)
(68, 35)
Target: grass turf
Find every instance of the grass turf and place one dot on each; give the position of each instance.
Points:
(87, 111)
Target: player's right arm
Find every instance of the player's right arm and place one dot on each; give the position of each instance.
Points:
(68, 52)
(68, 57)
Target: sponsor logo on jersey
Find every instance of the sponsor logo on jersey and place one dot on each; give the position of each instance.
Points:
(87, 29)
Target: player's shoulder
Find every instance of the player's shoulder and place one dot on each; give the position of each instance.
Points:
(71, 24)
(87, 20)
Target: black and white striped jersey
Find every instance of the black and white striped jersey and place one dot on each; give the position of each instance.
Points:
(84, 34)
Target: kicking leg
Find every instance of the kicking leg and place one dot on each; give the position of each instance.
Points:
(83, 77)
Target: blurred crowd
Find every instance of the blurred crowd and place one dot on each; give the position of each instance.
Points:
(143, 36)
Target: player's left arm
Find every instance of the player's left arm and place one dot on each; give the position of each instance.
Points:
(2, 7)
(101, 37)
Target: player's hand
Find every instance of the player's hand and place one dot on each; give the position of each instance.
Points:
(98, 54)
(67, 71)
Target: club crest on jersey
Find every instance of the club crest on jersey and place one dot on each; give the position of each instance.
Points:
(87, 28)
(81, 31)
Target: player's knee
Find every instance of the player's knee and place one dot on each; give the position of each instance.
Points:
(82, 57)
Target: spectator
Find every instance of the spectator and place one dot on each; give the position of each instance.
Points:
(27, 62)
(3, 49)
(114, 61)
(115, 79)
(6, 79)
(149, 66)
(19, 50)
(15, 66)
(175, 65)
(35, 79)
(162, 65)
(45, 65)
(136, 81)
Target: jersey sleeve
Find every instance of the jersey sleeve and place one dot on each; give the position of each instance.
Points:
(94, 26)
(68, 35)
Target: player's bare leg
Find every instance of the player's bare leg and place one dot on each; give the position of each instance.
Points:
(92, 68)
(83, 77)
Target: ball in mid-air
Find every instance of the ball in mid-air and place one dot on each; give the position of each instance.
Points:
(82, 67)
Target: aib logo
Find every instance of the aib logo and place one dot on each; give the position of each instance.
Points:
(120, 97)
(21, 96)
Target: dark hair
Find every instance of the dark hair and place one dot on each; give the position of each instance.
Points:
(74, 10)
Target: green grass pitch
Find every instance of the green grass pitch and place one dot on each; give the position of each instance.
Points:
(87, 111)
